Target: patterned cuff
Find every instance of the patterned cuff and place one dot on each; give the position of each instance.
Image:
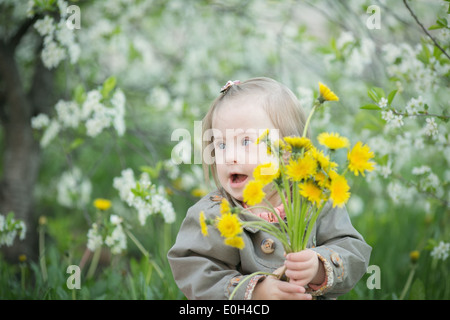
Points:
(318, 290)
(251, 286)
(247, 294)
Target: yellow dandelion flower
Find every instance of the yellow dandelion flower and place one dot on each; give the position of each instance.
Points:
(333, 141)
(301, 168)
(339, 190)
(199, 192)
(229, 225)
(263, 137)
(414, 256)
(322, 160)
(224, 206)
(278, 145)
(326, 94)
(359, 159)
(253, 192)
(311, 191)
(322, 180)
(203, 225)
(266, 172)
(22, 258)
(42, 220)
(102, 204)
(298, 143)
(236, 242)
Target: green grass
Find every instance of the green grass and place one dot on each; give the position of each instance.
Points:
(393, 235)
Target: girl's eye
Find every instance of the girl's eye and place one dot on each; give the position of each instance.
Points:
(221, 145)
(246, 141)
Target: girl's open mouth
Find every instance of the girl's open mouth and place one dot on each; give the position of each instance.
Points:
(238, 180)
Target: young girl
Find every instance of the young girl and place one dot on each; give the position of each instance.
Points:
(205, 267)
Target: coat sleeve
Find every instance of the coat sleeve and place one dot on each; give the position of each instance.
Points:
(204, 267)
(342, 250)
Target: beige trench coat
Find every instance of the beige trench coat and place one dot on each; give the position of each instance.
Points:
(206, 268)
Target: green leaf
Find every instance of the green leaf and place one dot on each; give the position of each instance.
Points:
(108, 86)
(442, 22)
(435, 27)
(75, 144)
(79, 94)
(383, 160)
(391, 96)
(417, 290)
(153, 172)
(376, 94)
(370, 106)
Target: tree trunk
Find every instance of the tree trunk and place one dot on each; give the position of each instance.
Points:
(21, 152)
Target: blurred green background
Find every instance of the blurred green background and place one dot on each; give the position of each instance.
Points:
(89, 89)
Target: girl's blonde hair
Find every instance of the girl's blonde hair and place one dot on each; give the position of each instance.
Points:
(280, 103)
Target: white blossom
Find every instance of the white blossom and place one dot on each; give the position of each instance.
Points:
(440, 251)
(50, 133)
(73, 190)
(385, 170)
(52, 54)
(9, 227)
(95, 240)
(431, 128)
(117, 240)
(397, 121)
(124, 184)
(388, 116)
(421, 170)
(40, 121)
(68, 113)
(383, 102)
(45, 26)
(153, 199)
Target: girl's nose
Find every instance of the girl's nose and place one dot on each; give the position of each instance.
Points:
(231, 156)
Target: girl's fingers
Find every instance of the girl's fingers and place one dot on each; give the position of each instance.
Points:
(292, 265)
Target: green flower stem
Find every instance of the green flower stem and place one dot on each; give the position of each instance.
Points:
(22, 276)
(408, 282)
(282, 224)
(311, 223)
(42, 261)
(248, 277)
(94, 262)
(146, 254)
(317, 103)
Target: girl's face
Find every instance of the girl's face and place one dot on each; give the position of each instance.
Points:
(236, 126)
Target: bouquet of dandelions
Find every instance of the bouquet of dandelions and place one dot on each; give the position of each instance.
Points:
(305, 179)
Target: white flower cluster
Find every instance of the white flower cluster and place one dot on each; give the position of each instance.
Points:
(440, 251)
(431, 128)
(429, 181)
(144, 196)
(414, 106)
(399, 193)
(59, 40)
(93, 113)
(404, 63)
(392, 120)
(9, 227)
(73, 191)
(114, 236)
(358, 53)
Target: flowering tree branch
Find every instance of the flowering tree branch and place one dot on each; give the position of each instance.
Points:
(425, 30)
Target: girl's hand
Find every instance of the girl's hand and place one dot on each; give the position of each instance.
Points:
(273, 289)
(304, 267)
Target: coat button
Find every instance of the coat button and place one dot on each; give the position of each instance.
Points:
(336, 259)
(268, 246)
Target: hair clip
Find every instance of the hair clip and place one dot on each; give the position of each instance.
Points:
(228, 85)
